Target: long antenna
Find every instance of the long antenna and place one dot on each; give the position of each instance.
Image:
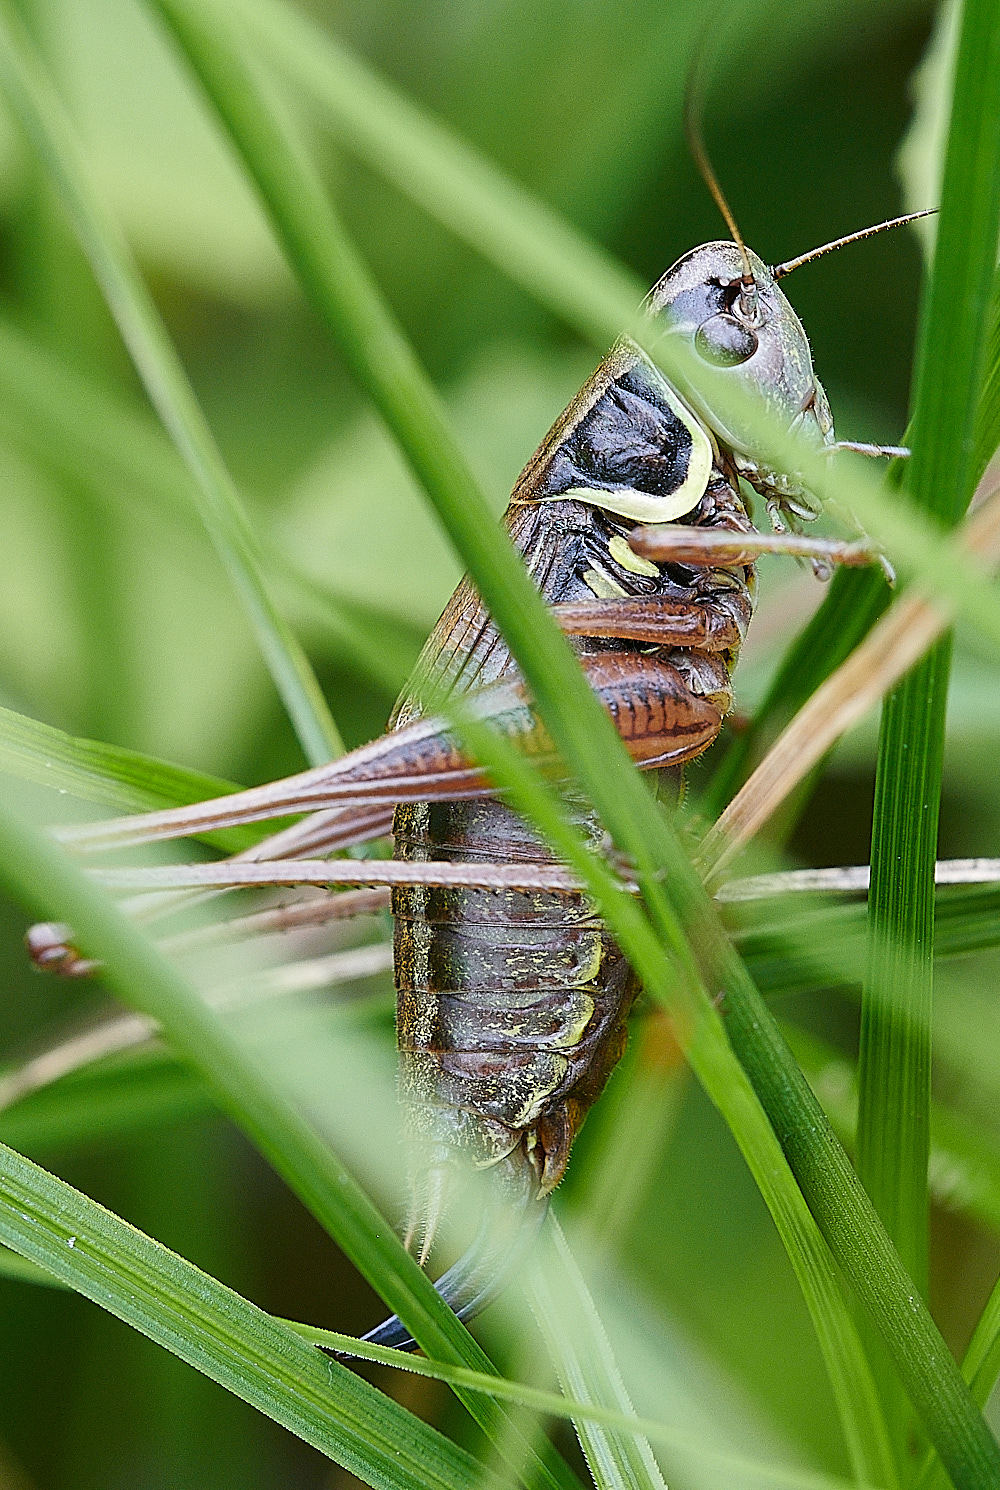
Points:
(780, 270)
(694, 95)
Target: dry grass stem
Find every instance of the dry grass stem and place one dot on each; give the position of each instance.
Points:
(850, 877)
(227, 873)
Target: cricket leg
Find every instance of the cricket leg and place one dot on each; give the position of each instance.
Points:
(659, 720)
(713, 547)
(710, 625)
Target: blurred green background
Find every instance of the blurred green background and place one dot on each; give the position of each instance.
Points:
(117, 623)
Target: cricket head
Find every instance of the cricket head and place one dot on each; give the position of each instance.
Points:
(724, 302)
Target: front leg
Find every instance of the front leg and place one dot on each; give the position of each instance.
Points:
(700, 634)
(717, 620)
(673, 544)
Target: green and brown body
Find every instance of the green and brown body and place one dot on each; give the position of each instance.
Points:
(512, 1005)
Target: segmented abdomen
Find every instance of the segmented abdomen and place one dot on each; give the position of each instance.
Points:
(511, 1005)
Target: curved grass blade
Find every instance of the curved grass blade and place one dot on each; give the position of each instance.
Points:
(43, 880)
(224, 1336)
(964, 1175)
(734, 1468)
(41, 115)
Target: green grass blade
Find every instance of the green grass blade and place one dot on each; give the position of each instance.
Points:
(981, 1369)
(335, 278)
(223, 1335)
(124, 779)
(135, 1093)
(965, 1162)
(40, 114)
(20, 1270)
(894, 1066)
(965, 1176)
(981, 1366)
(583, 734)
(587, 1370)
(733, 1467)
(988, 415)
(791, 948)
(452, 181)
(75, 423)
(43, 880)
(947, 420)
(895, 1069)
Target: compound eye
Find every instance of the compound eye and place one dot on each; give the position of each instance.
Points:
(724, 341)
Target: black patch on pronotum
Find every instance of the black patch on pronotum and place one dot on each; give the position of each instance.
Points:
(630, 440)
